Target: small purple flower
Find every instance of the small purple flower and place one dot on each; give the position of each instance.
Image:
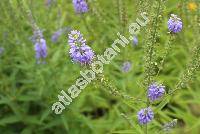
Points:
(175, 24)
(82, 54)
(1, 50)
(126, 66)
(40, 50)
(36, 35)
(79, 51)
(80, 6)
(76, 38)
(155, 91)
(145, 115)
(48, 3)
(58, 33)
(135, 41)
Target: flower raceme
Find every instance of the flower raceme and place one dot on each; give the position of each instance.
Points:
(1, 50)
(145, 115)
(82, 54)
(80, 6)
(155, 91)
(40, 50)
(56, 35)
(76, 38)
(135, 41)
(175, 24)
(126, 66)
(79, 51)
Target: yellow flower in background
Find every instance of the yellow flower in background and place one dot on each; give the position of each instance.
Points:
(192, 6)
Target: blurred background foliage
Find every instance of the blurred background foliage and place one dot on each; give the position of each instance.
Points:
(28, 89)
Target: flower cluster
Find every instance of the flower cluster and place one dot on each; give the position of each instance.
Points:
(79, 51)
(174, 24)
(1, 50)
(40, 46)
(40, 50)
(82, 54)
(192, 6)
(126, 66)
(48, 2)
(135, 41)
(36, 35)
(76, 38)
(58, 33)
(145, 115)
(80, 6)
(155, 92)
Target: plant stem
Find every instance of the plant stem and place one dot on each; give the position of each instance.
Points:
(146, 129)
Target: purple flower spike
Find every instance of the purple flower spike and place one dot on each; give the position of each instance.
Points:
(40, 49)
(126, 66)
(79, 51)
(36, 35)
(56, 35)
(145, 115)
(76, 38)
(155, 91)
(80, 6)
(175, 24)
(1, 50)
(135, 41)
(48, 3)
(82, 54)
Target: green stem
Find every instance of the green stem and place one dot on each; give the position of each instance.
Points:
(146, 129)
(167, 50)
(150, 54)
(83, 17)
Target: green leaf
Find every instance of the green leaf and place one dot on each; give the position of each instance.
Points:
(9, 120)
(64, 120)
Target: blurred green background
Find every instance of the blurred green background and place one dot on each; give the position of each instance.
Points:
(28, 89)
